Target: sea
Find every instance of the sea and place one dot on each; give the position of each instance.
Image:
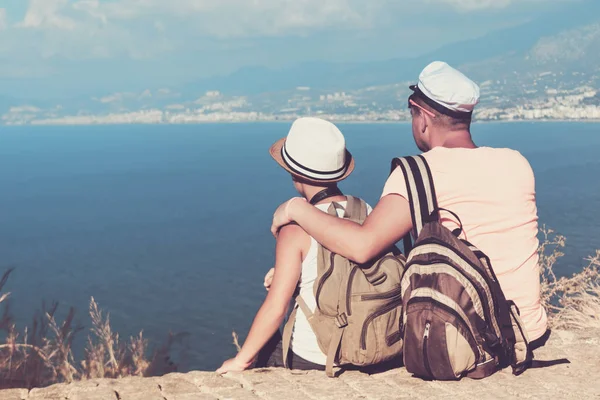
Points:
(167, 226)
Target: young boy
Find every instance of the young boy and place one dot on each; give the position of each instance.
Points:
(315, 154)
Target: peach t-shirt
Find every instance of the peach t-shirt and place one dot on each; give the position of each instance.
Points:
(493, 193)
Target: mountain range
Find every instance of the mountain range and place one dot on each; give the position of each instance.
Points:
(565, 40)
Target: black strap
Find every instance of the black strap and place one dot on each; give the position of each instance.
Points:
(549, 363)
(407, 243)
(458, 231)
(421, 192)
(332, 191)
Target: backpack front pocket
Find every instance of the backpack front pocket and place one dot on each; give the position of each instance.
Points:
(370, 326)
(378, 338)
(438, 342)
(460, 354)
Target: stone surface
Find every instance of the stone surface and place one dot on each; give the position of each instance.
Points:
(578, 379)
(14, 394)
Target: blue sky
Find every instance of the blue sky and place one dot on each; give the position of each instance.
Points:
(92, 45)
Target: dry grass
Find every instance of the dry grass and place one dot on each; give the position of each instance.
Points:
(571, 302)
(43, 355)
(236, 341)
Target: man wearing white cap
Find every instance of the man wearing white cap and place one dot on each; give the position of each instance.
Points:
(493, 191)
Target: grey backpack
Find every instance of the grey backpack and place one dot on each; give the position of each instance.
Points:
(455, 320)
(358, 306)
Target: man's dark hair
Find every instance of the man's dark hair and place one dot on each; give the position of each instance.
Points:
(441, 120)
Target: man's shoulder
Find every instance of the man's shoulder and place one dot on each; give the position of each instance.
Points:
(442, 157)
(500, 151)
(451, 166)
(509, 159)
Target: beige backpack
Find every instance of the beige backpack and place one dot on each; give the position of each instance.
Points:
(356, 320)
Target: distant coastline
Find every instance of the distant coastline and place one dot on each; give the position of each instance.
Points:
(581, 103)
(291, 119)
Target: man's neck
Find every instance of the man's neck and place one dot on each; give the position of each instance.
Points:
(453, 139)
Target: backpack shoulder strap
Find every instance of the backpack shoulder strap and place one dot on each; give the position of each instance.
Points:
(420, 189)
(356, 209)
(333, 207)
(288, 328)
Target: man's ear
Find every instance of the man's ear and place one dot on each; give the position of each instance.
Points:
(423, 123)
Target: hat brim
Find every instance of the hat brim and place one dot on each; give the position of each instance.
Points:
(275, 152)
(439, 107)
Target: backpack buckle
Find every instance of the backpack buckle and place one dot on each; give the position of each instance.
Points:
(341, 320)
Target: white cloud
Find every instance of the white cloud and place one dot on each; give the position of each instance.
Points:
(140, 29)
(473, 5)
(145, 94)
(200, 37)
(25, 109)
(120, 97)
(216, 18)
(116, 97)
(47, 14)
(231, 18)
(470, 5)
(3, 23)
(79, 29)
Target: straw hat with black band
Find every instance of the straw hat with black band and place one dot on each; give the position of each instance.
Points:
(314, 151)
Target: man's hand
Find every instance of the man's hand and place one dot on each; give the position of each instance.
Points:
(282, 216)
(269, 278)
(233, 365)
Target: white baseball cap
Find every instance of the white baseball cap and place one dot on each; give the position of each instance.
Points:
(447, 90)
(314, 150)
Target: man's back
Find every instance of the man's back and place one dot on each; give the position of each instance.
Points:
(493, 192)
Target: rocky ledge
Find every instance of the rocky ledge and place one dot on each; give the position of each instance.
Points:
(580, 378)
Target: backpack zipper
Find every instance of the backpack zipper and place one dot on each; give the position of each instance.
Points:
(382, 296)
(382, 311)
(349, 291)
(425, 351)
(325, 276)
(366, 297)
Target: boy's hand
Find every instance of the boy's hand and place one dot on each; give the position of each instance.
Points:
(233, 365)
(269, 278)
